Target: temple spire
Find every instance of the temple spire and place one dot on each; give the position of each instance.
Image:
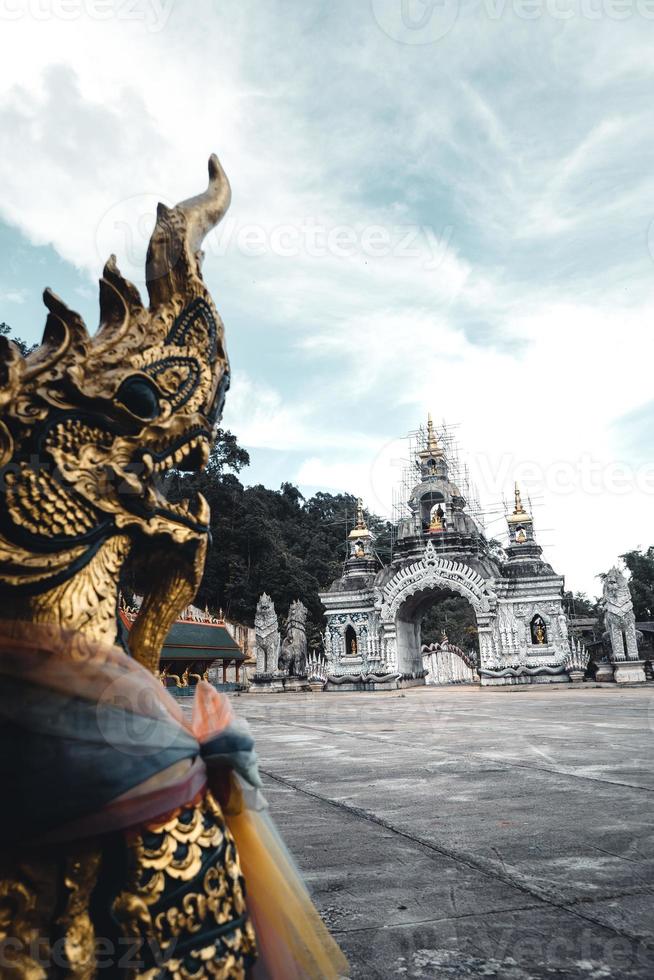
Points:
(431, 458)
(519, 510)
(432, 440)
(360, 530)
(521, 524)
(361, 557)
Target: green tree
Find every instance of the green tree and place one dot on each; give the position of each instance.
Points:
(641, 565)
(453, 615)
(24, 348)
(579, 604)
(270, 540)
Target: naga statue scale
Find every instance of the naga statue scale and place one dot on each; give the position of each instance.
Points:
(134, 842)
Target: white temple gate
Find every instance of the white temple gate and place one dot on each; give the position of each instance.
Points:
(374, 611)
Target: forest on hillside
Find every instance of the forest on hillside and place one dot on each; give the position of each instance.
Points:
(291, 547)
(273, 541)
(278, 542)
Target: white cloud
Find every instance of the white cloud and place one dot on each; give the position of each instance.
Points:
(525, 316)
(12, 295)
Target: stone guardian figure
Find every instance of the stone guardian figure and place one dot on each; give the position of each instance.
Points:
(621, 632)
(267, 636)
(293, 658)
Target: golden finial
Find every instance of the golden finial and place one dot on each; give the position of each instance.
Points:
(519, 514)
(360, 529)
(432, 448)
(519, 507)
(432, 441)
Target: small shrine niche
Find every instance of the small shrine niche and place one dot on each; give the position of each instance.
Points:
(351, 645)
(437, 520)
(538, 631)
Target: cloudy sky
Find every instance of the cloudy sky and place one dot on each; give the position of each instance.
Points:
(436, 207)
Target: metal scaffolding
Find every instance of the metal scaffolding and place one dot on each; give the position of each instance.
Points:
(458, 472)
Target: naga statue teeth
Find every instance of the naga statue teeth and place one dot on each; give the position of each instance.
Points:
(112, 842)
(84, 422)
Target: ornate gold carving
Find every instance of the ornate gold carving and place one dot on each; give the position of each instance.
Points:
(192, 847)
(29, 892)
(79, 936)
(86, 602)
(21, 914)
(88, 427)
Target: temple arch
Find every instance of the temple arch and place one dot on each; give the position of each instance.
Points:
(432, 572)
(414, 588)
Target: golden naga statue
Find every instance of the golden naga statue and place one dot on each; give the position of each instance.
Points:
(121, 818)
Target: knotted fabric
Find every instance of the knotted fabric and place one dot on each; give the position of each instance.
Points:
(91, 743)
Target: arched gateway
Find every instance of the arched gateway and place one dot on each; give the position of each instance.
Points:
(374, 612)
(413, 589)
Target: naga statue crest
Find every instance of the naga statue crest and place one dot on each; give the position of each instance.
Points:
(267, 636)
(617, 596)
(90, 424)
(118, 849)
(265, 620)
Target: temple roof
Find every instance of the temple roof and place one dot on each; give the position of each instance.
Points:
(201, 641)
(195, 636)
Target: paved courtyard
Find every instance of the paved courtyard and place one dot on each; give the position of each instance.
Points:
(471, 833)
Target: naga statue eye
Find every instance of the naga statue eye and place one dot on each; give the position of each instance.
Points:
(140, 397)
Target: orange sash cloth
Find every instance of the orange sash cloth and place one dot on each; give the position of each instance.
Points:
(43, 667)
(292, 940)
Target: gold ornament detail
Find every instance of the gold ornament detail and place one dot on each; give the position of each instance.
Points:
(186, 882)
(89, 425)
(519, 515)
(30, 888)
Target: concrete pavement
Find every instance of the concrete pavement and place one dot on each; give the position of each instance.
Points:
(460, 832)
